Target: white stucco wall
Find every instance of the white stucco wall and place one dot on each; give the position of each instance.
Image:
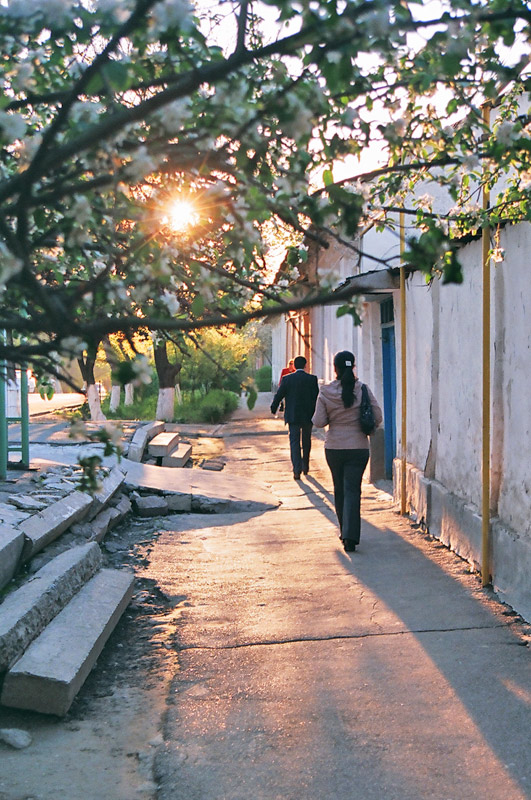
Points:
(278, 348)
(329, 335)
(458, 464)
(511, 379)
(419, 368)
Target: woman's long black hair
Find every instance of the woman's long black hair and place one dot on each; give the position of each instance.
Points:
(344, 365)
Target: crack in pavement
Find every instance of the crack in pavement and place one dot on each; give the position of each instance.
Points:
(337, 637)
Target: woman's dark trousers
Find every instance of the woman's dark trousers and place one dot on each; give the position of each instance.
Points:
(347, 468)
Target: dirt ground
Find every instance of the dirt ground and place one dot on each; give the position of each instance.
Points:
(104, 747)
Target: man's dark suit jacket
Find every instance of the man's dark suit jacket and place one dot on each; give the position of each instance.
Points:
(299, 390)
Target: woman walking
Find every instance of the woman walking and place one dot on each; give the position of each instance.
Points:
(346, 446)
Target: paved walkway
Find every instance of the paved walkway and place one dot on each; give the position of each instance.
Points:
(306, 673)
(310, 674)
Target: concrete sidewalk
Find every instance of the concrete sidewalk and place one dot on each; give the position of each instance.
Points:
(310, 674)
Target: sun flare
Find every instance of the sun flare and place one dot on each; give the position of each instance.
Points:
(182, 215)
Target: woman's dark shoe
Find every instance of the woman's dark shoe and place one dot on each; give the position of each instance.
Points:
(348, 546)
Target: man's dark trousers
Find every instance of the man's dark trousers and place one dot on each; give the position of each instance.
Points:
(300, 434)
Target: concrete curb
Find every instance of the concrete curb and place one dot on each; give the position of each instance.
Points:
(40, 681)
(42, 528)
(11, 546)
(27, 611)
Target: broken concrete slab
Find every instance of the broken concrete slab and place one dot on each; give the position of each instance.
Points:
(40, 681)
(42, 528)
(12, 516)
(109, 487)
(214, 465)
(105, 520)
(179, 456)
(179, 502)
(27, 610)
(140, 439)
(123, 505)
(210, 505)
(26, 503)
(11, 545)
(150, 506)
(163, 444)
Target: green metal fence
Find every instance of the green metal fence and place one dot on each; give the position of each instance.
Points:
(21, 447)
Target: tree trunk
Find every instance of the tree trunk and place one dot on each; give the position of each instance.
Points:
(129, 394)
(115, 396)
(86, 365)
(166, 404)
(167, 374)
(93, 397)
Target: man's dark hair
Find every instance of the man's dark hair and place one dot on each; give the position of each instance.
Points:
(299, 362)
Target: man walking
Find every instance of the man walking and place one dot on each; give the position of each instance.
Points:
(299, 390)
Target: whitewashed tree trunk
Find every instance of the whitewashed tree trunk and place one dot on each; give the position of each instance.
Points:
(129, 394)
(166, 404)
(179, 394)
(93, 398)
(115, 397)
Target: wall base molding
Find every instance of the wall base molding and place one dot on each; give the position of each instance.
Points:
(457, 524)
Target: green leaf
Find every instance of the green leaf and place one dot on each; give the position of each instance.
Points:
(328, 177)
(117, 74)
(198, 306)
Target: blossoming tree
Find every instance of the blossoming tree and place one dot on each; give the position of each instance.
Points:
(151, 152)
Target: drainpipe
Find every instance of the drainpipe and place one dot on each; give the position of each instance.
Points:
(403, 364)
(485, 459)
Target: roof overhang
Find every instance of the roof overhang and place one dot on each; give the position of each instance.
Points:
(379, 281)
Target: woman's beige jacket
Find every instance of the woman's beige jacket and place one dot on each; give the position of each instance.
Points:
(344, 431)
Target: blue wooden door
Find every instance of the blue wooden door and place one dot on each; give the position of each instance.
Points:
(389, 391)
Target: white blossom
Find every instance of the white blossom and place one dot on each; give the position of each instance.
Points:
(86, 112)
(57, 11)
(118, 9)
(27, 148)
(141, 164)
(171, 302)
(13, 125)
(142, 370)
(22, 77)
(114, 433)
(525, 179)
(74, 345)
(399, 127)
(172, 14)
(175, 115)
(117, 292)
(78, 429)
(51, 12)
(505, 133)
(471, 162)
(81, 209)
(425, 202)
(498, 255)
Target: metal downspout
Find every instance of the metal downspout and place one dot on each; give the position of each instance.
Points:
(403, 366)
(485, 458)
